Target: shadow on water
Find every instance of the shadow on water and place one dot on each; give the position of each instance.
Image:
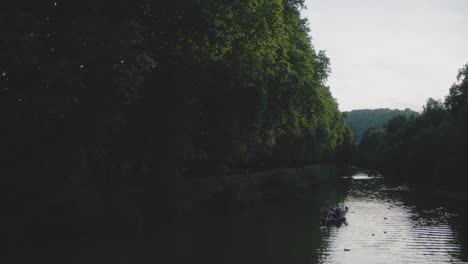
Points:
(274, 232)
(387, 223)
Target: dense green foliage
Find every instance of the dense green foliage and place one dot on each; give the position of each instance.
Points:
(361, 120)
(431, 148)
(96, 96)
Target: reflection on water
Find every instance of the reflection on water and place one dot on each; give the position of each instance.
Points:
(385, 224)
(393, 225)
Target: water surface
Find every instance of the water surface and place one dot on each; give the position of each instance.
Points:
(393, 224)
(386, 224)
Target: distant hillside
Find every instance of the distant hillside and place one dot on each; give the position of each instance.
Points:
(361, 120)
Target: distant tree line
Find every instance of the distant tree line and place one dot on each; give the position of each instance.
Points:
(429, 149)
(361, 120)
(93, 93)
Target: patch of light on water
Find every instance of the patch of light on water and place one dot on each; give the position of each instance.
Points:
(364, 176)
(383, 228)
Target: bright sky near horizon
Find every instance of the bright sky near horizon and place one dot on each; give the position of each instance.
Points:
(390, 53)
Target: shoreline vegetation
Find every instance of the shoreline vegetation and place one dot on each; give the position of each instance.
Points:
(236, 191)
(430, 149)
(126, 212)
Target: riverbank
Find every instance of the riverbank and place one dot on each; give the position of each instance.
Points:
(441, 190)
(133, 211)
(245, 189)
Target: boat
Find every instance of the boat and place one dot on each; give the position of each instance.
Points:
(340, 217)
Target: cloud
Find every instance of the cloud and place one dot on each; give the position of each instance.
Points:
(392, 54)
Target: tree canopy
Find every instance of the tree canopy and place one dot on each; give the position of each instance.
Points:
(90, 89)
(427, 149)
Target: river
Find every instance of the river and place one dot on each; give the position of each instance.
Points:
(386, 223)
(393, 224)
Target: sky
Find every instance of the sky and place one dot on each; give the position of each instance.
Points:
(390, 53)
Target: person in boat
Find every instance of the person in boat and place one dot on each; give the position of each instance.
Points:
(337, 212)
(328, 211)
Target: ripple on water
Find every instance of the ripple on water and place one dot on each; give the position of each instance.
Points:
(383, 229)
